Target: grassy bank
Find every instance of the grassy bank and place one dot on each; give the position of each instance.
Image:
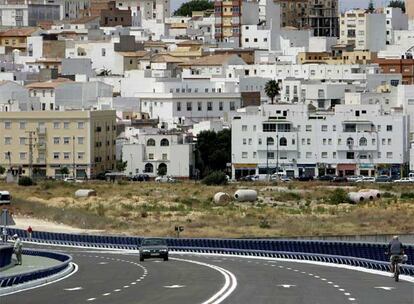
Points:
(292, 209)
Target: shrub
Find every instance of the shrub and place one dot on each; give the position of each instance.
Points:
(215, 178)
(338, 196)
(2, 170)
(25, 181)
(407, 195)
(264, 224)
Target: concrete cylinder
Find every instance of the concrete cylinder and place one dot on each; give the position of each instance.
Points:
(356, 197)
(221, 198)
(245, 195)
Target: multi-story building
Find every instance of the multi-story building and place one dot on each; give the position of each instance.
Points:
(404, 67)
(409, 8)
(352, 139)
(17, 39)
(228, 20)
(396, 20)
(28, 14)
(153, 150)
(321, 16)
(37, 143)
(363, 30)
(112, 16)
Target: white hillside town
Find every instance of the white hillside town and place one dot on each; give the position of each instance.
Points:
(131, 87)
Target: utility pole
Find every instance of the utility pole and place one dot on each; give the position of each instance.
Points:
(277, 155)
(267, 158)
(73, 157)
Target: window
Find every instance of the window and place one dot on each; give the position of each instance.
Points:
(383, 141)
(149, 168)
(250, 141)
(22, 125)
(7, 140)
(81, 140)
(308, 141)
(7, 124)
(56, 140)
(178, 106)
(232, 107)
(271, 155)
(81, 155)
(324, 155)
(329, 141)
(189, 106)
(283, 142)
(66, 155)
(334, 128)
(350, 155)
(150, 155)
(254, 128)
(66, 140)
(334, 155)
(56, 125)
(22, 140)
(164, 142)
(363, 141)
(308, 154)
(151, 142)
(389, 128)
(66, 125)
(324, 141)
(270, 141)
(324, 128)
(350, 141)
(244, 154)
(373, 141)
(379, 155)
(22, 155)
(81, 125)
(260, 141)
(389, 141)
(199, 106)
(244, 128)
(56, 155)
(103, 52)
(389, 154)
(244, 141)
(254, 154)
(209, 106)
(220, 106)
(308, 128)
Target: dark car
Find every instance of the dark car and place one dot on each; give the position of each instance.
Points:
(340, 179)
(153, 248)
(326, 178)
(305, 178)
(248, 178)
(383, 179)
(140, 178)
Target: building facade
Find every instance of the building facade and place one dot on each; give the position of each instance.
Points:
(39, 144)
(355, 139)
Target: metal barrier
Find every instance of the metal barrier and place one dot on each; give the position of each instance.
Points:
(7, 281)
(370, 255)
(6, 252)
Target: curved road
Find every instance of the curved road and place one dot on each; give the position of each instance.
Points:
(114, 277)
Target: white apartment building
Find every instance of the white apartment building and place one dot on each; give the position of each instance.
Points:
(395, 20)
(147, 10)
(356, 139)
(363, 30)
(152, 149)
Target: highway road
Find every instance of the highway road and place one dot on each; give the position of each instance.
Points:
(115, 277)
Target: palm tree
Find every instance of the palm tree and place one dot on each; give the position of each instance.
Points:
(272, 89)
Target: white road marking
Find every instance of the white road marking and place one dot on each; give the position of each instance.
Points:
(229, 286)
(117, 290)
(91, 299)
(351, 299)
(126, 286)
(385, 288)
(74, 288)
(106, 294)
(174, 286)
(286, 285)
(103, 263)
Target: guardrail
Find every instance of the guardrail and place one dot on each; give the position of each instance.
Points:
(352, 253)
(6, 252)
(7, 281)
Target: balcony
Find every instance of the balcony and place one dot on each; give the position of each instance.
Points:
(352, 141)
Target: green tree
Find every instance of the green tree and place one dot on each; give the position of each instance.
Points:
(121, 165)
(272, 89)
(64, 171)
(398, 3)
(187, 8)
(371, 7)
(215, 178)
(2, 170)
(213, 151)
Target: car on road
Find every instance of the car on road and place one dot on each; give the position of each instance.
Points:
(72, 180)
(305, 178)
(165, 179)
(340, 179)
(383, 179)
(404, 180)
(5, 198)
(140, 178)
(354, 178)
(366, 179)
(326, 178)
(153, 248)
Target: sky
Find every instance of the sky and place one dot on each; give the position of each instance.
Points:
(344, 4)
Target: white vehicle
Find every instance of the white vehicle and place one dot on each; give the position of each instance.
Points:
(72, 180)
(354, 178)
(165, 179)
(366, 179)
(5, 198)
(404, 180)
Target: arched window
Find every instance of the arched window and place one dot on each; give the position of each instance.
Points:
(363, 141)
(283, 141)
(165, 142)
(270, 141)
(350, 141)
(162, 169)
(149, 168)
(151, 142)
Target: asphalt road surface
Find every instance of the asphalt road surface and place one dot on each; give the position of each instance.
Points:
(105, 277)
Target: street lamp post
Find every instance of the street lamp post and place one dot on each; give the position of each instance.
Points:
(73, 157)
(277, 156)
(267, 158)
